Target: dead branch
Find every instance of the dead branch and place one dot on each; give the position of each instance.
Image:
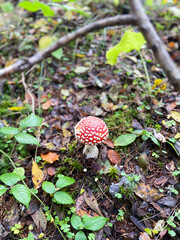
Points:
(22, 65)
(155, 43)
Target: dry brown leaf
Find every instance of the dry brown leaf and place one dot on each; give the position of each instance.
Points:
(114, 157)
(51, 171)
(109, 143)
(144, 236)
(37, 175)
(50, 157)
(92, 203)
(46, 105)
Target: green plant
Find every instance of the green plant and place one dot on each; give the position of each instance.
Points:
(130, 41)
(60, 197)
(118, 195)
(171, 222)
(30, 237)
(88, 223)
(131, 184)
(20, 134)
(15, 228)
(113, 173)
(126, 139)
(120, 216)
(35, 6)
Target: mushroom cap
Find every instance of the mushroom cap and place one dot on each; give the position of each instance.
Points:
(91, 130)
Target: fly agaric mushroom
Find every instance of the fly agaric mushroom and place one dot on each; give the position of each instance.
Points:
(91, 131)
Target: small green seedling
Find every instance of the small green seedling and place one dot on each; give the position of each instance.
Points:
(15, 229)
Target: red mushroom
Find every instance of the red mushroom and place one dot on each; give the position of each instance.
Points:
(91, 131)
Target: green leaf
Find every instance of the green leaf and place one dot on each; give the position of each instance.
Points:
(31, 121)
(125, 139)
(26, 138)
(130, 41)
(171, 233)
(9, 130)
(9, 178)
(48, 187)
(76, 222)
(64, 181)
(29, 6)
(94, 223)
(20, 172)
(80, 236)
(170, 222)
(58, 53)
(22, 194)
(3, 189)
(7, 7)
(63, 198)
(46, 10)
(155, 140)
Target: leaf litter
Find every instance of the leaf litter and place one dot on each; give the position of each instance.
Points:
(85, 85)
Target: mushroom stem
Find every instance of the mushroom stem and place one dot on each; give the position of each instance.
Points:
(90, 151)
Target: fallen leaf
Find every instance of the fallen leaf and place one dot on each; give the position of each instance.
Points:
(16, 109)
(136, 125)
(50, 157)
(144, 236)
(147, 192)
(66, 133)
(175, 115)
(114, 157)
(170, 106)
(40, 219)
(168, 201)
(10, 62)
(37, 175)
(11, 217)
(109, 143)
(159, 136)
(92, 203)
(81, 69)
(46, 105)
(51, 171)
(177, 136)
(161, 181)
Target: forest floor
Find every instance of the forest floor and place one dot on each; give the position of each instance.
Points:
(132, 188)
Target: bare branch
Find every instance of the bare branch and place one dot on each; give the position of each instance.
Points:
(22, 65)
(155, 43)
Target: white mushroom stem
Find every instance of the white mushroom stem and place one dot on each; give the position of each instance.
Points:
(90, 151)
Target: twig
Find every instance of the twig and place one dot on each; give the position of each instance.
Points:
(22, 65)
(156, 44)
(28, 91)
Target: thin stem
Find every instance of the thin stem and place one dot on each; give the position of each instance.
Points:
(146, 71)
(39, 88)
(30, 189)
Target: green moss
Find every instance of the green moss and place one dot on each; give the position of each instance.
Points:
(120, 121)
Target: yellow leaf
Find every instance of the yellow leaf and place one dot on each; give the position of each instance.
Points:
(37, 175)
(16, 109)
(175, 115)
(177, 136)
(80, 55)
(50, 157)
(157, 82)
(10, 62)
(45, 42)
(40, 23)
